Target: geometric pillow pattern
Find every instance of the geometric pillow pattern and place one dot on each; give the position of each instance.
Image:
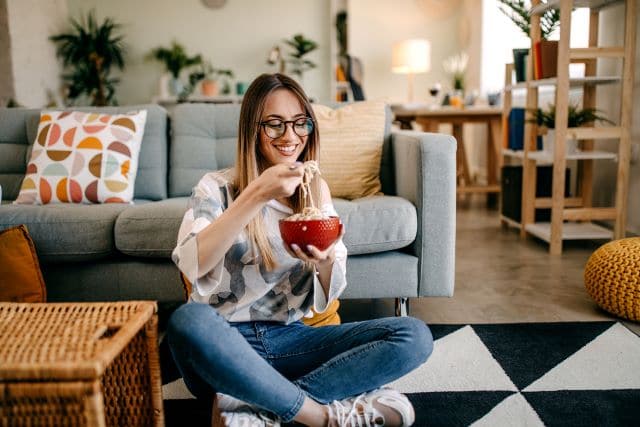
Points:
(83, 157)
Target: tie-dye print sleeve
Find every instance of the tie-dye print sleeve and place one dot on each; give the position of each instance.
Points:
(208, 201)
(338, 273)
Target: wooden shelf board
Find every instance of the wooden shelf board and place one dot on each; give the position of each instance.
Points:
(518, 154)
(594, 132)
(570, 231)
(545, 157)
(510, 222)
(576, 81)
(555, 4)
(596, 52)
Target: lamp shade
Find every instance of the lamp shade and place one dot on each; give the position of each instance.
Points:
(411, 56)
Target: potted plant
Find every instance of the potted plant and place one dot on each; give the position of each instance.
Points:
(456, 66)
(209, 78)
(90, 50)
(212, 79)
(546, 119)
(175, 59)
(518, 12)
(302, 46)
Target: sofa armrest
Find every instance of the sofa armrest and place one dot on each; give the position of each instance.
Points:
(425, 174)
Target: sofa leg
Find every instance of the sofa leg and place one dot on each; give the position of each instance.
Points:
(402, 306)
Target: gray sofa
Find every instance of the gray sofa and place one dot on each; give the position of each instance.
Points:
(400, 245)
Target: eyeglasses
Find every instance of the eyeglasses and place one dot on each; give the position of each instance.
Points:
(275, 128)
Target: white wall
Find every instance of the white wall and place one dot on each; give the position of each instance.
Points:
(6, 70)
(237, 36)
(374, 26)
(35, 68)
(612, 34)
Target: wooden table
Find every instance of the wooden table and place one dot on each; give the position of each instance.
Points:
(430, 119)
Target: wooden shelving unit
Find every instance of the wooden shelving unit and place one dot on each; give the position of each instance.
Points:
(571, 218)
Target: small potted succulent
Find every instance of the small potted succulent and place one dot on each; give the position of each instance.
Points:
(546, 119)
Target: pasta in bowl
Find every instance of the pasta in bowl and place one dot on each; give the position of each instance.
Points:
(311, 226)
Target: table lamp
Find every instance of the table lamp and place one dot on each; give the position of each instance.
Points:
(411, 57)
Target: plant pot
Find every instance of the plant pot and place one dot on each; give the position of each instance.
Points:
(175, 86)
(548, 143)
(520, 64)
(210, 88)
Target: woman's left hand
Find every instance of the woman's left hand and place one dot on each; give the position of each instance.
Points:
(314, 255)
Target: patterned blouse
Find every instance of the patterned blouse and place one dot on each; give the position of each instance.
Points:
(239, 286)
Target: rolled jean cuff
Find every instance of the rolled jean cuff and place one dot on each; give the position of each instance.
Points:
(288, 416)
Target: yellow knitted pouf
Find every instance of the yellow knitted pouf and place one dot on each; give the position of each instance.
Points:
(612, 277)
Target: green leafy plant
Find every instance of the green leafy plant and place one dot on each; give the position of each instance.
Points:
(301, 47)
(90, 50)
(174, 58)
(206, 71)
(576, 117)
(518, 12)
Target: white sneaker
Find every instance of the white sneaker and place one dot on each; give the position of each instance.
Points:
(230, 404)
(360, 411)
(248, 419)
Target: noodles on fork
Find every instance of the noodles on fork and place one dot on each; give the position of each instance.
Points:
(309, 210)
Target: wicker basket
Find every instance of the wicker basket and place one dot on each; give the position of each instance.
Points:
(80, 364)
(612, 277)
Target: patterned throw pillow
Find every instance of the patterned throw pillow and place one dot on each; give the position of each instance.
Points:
(351, 140)
(81, 157)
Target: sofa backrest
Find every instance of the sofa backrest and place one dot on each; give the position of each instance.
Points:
(204, 138)
(18, 128)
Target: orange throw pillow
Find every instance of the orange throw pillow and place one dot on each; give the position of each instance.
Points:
(20, 276)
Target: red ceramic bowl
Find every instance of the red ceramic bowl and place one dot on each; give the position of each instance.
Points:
(320, 233)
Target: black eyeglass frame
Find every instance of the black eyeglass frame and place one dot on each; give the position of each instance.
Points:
(307, 119)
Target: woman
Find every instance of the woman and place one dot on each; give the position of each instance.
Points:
(246, 338)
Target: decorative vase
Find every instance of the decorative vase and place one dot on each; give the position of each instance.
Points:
(163, 86)
(548, 143)
(210, 88)
(241, 88)
(175, 86)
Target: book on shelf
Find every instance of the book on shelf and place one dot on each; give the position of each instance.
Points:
(516, 124)
(545, 59)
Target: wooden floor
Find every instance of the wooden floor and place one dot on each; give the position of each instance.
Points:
(502, 279)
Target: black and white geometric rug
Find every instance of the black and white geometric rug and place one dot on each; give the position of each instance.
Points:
(528, 374)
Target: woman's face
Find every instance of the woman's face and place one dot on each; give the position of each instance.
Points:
(284, 106)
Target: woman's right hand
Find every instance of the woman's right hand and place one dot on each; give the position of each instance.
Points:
(280, 180)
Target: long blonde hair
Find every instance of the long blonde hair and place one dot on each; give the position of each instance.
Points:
(250, 163)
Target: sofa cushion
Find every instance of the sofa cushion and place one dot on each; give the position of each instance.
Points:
(20, 276)
(66, 232)
(81, 157)
(204, 139)
(18, 131)
(377, 223)
(351, 138)
(150, 229)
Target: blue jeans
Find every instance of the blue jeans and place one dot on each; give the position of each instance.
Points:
(275, 366)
